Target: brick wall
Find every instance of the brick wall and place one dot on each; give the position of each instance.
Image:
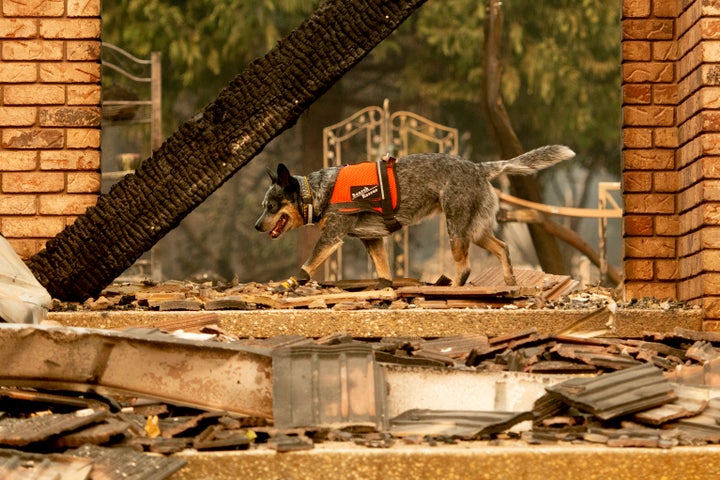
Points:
(49, 117)
(671, 151)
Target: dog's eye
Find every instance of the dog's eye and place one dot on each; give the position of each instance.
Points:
(273, 207)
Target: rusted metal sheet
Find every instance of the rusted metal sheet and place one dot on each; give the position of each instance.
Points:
(619, 393)
(328, 385)
(208, 375)
(464, 424)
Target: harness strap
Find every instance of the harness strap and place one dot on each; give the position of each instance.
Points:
(388, 215)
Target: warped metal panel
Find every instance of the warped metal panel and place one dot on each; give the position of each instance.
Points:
(203, 374)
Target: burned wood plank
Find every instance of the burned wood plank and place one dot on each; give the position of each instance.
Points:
(387, 294)
(618, 393)
(191, 323)
(99, 434)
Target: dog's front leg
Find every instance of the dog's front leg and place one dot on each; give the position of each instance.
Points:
(376, 249)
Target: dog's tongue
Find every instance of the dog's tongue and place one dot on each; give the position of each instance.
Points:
(278, 229)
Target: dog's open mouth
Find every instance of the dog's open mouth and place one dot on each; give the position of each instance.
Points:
(279, 226)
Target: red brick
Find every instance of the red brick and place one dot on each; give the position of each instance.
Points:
(650, 289)
(665, 8)
(16, 182)
(32, 50)
(34, 8)
(35, 138)
(710, 28)
(71, 72)
(25, 248)
(653, 72)
(637, 225)
(18, 205)
(636, 8)
(666, 269)
(665, 137)
(83, 50)
(665, 94)
(637, 93)
(639, 270)
(649, 203)
(667, 225)
(17, 28)
(65, 204)
(710, 143)
(83, 8)
(69, 116)
(637, 137)
(649, 159)
(648, 116)
(666, 182)
(18, 116)
(83, 138)
(70, 28)
(650, 247)
(637, 181)
(650, 29)
(18, 72)
(18, 160)
(83, 94)
(37, 227)
(83, 182)
(636, 51)
(70, 160)
(34, 94)
(664, 51)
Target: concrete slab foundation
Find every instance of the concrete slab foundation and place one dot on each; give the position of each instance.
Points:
(380, 323)
(458, 462)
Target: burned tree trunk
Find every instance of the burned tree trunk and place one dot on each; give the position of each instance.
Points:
(547, 249)
(259, 104)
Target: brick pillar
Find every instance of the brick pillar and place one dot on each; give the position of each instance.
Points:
(49, 117)
(698, 158)
(650, 141)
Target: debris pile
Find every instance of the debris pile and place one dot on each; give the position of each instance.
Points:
(659, 391)
(535, 289)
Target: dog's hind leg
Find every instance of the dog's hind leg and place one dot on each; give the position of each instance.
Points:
(376, 249)
(500, 250)
(459, 248)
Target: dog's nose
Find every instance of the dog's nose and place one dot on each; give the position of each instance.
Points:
(258, 226)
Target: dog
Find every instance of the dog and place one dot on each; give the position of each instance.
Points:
(427, 183)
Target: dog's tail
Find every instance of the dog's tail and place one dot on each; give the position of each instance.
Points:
(530, 162)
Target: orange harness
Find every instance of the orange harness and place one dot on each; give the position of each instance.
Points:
(368, 187)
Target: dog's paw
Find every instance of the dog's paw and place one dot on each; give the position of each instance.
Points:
(288, 285)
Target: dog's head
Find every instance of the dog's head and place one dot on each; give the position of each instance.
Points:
(282, 204)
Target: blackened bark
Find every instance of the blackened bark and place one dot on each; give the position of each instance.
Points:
(546, 246)
(259, 104)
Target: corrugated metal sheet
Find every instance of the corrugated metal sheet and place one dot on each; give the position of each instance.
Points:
(327, 385)
(619, 393)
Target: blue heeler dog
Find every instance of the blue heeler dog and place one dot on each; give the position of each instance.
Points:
(427, 183)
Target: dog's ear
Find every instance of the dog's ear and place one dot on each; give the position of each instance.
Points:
(272, 175)
(283, 176)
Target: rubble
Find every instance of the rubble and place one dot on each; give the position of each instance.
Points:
(641, 401)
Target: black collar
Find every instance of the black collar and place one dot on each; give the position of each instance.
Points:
(307, 200)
